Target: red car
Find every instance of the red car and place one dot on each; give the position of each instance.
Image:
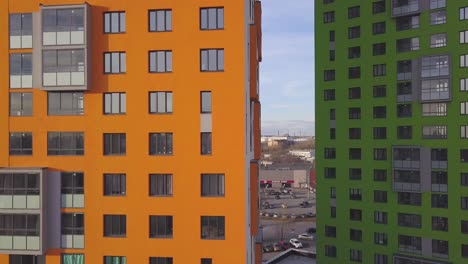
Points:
(284, 245)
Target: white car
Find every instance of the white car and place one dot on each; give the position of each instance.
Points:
(295, 243)
(305, 236)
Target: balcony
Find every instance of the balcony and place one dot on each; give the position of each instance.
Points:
(405, 7)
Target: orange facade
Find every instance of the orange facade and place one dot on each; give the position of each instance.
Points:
(231, 151)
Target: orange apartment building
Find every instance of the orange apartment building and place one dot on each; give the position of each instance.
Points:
(129, 131)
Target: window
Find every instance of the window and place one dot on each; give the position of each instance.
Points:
(439, 180)
(331, 36)
(404, 110)
(330, 251)
(355, 133)
(206, 144)
(464, 108)
(332, 114)
(206, 261)
(115, 103)
(21, 104)
(212, 185)
(332, 55)
(378, 28)
(409, 244)
(407, 44)
(115, 184)
(354, 153)
(355, 235)
(437, 4)
(439, 40)
(330, 231)
(434, 132)
(211, 60)
(354, 72)
(160, 226)
(438, 17)
(439, 201)
(115, 260)
(354, 113)
(160, 20)
(20, 184)
(354, 52)
(65, 143)
(21, 31)
(434, 66)
(63, 26)
(464, 227)
(330, 173)
(63, 67)
(329, 95)
(205, 102)
(21, 70)
(379, 49)
(115, 144)
(380, 238)
(464, 37)
(160, 61)
(72, 189)
(404, 132)
(407, 198)
(380, 217)
(24, 259)
(380, 259)
(72, 225)
(439, 223)
(380, 196)
(380, 91)
(355, 214)
(212, 227)
(329, 17)
(161, 143)
(354, 32)
(355, 173)
(407, 22)
(380, 154)
(440, 248)
(380, 111)
(332, 133)
(355, 194)
(380, 175)
(65, 103)
(115, 226)
(404, 70)
(332, 211)
(354, 12)
(355, 255)
(464, 179)
(330, 153)
(380, 132)
(354, 93)
(329, 75)
(434, 109)
(114, 22)
(463, 13)
(378, 7)
(72, 259)
(21, 144)
(160, 102)
(464, 203)
(332, 192)
(409, 220)
(115, 62)
(160, 185)
(380, 69)
(25, 225)
(212, 18)
(160, 260)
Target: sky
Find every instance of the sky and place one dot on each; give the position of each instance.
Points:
(287, 69)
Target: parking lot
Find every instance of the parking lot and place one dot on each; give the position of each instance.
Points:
(287, 217)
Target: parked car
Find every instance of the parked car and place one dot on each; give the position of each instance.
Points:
(295, 243)
(305, 236)
(305, 204)
(284, 205)
(293, 196)
(311, 230)
(277, 197)
(284, 245)
(276, 215)
(268, 248)
(277, 247)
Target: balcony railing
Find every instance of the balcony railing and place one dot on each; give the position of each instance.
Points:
(402, 10)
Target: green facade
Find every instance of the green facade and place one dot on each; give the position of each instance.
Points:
(432, 180)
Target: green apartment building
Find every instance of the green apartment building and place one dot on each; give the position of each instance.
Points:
(392, 131)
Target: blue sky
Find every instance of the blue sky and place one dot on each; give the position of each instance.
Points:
(287, 70)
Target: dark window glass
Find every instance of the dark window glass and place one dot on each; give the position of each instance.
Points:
(213, 227)
(379, 49)
(21, 144)
(161, 226)
(115, 144)
(115, 185)
(378, 28)
(212, 185)
(160, 185)
(161, 143)
(378, 7)
(115, 225)
(65, 143)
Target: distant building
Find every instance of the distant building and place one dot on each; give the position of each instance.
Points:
(285, 175)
